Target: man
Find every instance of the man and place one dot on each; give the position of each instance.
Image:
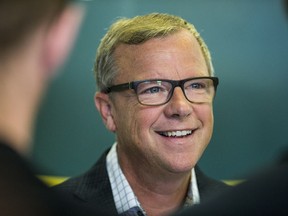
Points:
(35, 37)
(156, 88)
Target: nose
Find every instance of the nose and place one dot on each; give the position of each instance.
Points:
(178, 106)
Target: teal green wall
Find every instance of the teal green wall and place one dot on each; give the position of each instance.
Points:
(249, 44)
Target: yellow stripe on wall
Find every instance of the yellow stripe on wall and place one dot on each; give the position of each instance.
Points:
(52, 180)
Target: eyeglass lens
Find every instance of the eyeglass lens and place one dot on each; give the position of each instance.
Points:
(156, 92)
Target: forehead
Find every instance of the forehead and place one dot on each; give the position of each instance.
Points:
(177, 56)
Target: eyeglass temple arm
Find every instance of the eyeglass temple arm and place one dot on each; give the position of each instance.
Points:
(120, 87)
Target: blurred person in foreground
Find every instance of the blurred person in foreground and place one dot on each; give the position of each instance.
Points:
(35, 38)
(156, 89)
(263, 194)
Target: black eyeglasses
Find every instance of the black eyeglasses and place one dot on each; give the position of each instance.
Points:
(156, 92)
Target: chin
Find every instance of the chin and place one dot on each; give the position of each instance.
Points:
(181, 167)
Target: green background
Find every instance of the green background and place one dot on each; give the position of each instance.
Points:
(248, 40)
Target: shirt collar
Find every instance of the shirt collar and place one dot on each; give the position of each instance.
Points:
(123, 194)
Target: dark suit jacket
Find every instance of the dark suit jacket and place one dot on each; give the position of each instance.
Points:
(92, 189)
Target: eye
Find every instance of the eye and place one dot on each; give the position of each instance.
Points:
(198, 85)
(151, 89)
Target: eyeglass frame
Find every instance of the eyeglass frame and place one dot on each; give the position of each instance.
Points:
(174, 83)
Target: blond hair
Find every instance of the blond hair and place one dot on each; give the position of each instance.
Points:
(137, 30)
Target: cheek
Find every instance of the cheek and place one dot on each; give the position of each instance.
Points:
(130, 120)
(148, 116)
(134, 121)
(141, 125)
(123, 110)
(205, 115)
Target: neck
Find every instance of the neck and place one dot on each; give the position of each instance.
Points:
(159, 194)
(164, 199)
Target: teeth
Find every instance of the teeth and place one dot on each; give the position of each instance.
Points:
(177, 133)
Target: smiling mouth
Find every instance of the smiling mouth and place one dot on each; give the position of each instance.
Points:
(182, 133)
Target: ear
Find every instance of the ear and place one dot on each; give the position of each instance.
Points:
(61, 36)
(104, 106)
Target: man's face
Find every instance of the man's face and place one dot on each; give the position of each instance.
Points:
(140, 128)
